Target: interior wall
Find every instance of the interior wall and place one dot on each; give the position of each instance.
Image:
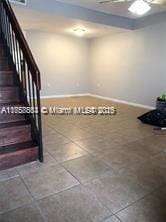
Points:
(130, 66)
(63, 62)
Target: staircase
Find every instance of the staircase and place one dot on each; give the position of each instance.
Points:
(20, 134)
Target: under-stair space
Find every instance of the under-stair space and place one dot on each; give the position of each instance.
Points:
(20, 134)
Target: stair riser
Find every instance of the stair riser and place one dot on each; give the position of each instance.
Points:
(6, 79)
(4, 118)
(4, 67)
(1, 51)
(15, 135)
(8, 95)
(4, 62)
(17, 146)
(18, 158)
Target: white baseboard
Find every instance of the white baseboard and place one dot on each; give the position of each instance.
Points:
(97, 96)
(123, 102)
(64, 96)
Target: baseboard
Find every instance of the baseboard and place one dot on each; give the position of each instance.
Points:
(65, 96)
(123, 102)
(100, 97)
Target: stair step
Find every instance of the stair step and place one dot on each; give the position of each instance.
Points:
(10, 104)
(4, 67)
(17, 154)
(6, 117)
(3, 58)
(6, 78)
(1, 52)
(14, 132)
(8, 125)
(10, 118)
(4, 61)
(8, 94)
(16, 147)
(6, 72)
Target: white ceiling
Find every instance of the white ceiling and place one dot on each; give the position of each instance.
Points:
(120, 8)
(32, 20)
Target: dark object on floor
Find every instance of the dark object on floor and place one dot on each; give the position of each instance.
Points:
(160, 104)
(154, 117)
(160, 128)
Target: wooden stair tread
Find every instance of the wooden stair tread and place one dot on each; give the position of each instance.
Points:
(5, 68)
(10, 104)
(15, 132)
(19, 157)
(16, 147)
(6, 72)
(17, 143)
(11, 118)
(9, 94)
(14, 124)
(8, 87)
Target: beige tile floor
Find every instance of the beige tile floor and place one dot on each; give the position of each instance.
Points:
(96, 169)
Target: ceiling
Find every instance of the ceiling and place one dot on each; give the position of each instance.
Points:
(32, 20)
(120, 8)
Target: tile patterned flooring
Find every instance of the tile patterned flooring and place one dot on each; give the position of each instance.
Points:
(96, 169)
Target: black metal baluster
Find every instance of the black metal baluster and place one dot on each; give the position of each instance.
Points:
(3, 21)
(27, 70)
(39, 127)
(33, 94)
(6, 29)
(8, 34)
(29, 89)
(18, 57)
(15, 54)
(23, 74)
(12, 43)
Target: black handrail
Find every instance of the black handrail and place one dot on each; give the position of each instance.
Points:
(27, 72)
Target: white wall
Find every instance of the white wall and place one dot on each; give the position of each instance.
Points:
(130, 66)
(63, 62)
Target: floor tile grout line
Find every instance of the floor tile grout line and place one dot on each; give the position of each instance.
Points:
(47, 196)
(109, 217)
(52, 194)
(13, 209)
(91, 154)
(69, 138)
(66, 169)
(142, 198)
(84, 149)
(82, 184)
(120, 220)
(91, 191)
(45, 219)
(99, 176)
(127, 206)
(3, 180)
(34, 200)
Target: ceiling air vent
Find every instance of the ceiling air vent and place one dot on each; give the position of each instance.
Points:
(22, 2)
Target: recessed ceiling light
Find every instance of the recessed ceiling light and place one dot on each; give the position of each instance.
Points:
(79, 32)
(139, 7)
